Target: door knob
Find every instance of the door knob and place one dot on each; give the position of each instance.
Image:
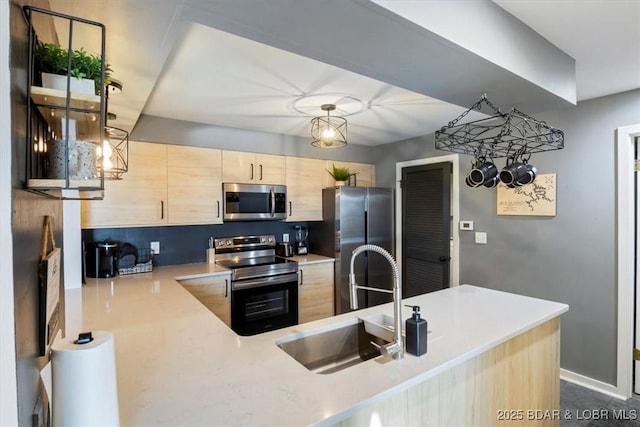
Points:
(444, 258)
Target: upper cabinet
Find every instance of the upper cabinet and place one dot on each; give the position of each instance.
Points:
(176, 185)
(305, 181)
(166, 184)
(365, 174)
(140, 198)
(247, 168)
(194, 190)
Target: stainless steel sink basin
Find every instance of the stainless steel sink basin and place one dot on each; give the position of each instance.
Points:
(333, 350)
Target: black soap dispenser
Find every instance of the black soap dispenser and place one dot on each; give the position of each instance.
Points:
(416, 333)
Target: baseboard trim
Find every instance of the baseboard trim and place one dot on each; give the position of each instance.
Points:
(592, 384)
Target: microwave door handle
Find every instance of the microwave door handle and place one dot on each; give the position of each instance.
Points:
(272, 202)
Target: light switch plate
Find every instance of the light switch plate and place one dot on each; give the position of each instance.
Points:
(155, 248)
(285, 237)
(481, 237)
(466, 225)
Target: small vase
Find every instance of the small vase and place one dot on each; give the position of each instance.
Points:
(341, 183)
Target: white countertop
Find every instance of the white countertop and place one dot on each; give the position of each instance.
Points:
(178, 364)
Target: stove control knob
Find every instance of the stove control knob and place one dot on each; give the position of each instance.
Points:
(262, 240)
(270, 239)
(228, 242)
(220, 243)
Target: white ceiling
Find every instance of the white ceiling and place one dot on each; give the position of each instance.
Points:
(171, 67)
(603, 36)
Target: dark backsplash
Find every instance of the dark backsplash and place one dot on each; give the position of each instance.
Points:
(187, 244)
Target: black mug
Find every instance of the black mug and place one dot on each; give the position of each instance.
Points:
(493, 182)
(530, 176)
(513, 173)
(470, 183)
(483, 174)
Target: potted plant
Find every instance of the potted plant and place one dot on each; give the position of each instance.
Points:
(340, 174)
(85, 70)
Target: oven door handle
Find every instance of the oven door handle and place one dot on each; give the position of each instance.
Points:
(264, 281)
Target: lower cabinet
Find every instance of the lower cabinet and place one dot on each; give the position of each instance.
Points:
(214, 292)
(315, 291)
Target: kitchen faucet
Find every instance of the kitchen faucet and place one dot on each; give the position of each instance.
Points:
(396, 348)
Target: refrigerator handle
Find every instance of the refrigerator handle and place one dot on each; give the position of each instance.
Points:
(337, 241)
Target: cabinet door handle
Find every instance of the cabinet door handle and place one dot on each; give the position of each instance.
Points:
(218, 203)
(260, 172)
(290, 209)
(161, 209)
(251, 172)
(301, 277)
(226, 288)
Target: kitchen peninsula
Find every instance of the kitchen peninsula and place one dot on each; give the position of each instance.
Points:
(178, 364)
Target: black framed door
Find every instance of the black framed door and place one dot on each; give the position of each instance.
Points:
(426, 228)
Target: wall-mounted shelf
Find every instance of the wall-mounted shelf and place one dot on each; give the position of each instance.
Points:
(83, 108)
(65, 129)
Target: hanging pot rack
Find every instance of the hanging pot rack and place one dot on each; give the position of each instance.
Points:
(512, 135)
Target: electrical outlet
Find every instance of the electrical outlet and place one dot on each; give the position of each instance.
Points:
(285, 237)
(155, 248)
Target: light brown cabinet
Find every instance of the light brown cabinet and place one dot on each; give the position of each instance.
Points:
(305, 181)
(214, 292)
(194, 185)
(365, 173)
(252, 168)
(165, 184)
(174, 184)
(315, 291)
(140, 198)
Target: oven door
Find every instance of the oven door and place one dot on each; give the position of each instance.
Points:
(265, 304)
(252, 202)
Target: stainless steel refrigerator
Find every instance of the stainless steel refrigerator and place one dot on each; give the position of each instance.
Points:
(354, 216)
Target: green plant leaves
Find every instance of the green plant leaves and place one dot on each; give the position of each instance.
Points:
(51, 58)
(340, 174)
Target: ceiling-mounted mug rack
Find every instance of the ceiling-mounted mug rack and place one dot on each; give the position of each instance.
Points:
(513, 135)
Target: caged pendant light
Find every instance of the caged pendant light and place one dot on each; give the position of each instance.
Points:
(328, 132)
(113, 156)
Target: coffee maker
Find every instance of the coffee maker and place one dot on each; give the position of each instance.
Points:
(301, 234)
(101, 259)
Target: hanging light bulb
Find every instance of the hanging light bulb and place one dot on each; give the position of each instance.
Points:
(107, 152)
(328, 132)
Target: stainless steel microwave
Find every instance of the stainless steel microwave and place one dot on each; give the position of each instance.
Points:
(254, 202)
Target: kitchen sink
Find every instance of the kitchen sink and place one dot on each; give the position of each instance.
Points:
(380, 325)
(333, 350)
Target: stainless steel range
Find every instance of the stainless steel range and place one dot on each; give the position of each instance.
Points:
(264, 287)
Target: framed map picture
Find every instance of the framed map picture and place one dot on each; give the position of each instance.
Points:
(535, 199)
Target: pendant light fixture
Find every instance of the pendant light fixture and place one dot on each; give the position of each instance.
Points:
(113, 156)
(328, 132)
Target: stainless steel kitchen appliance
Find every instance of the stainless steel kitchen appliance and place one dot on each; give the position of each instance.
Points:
(354, 216)
(285, 249)
(301, 240)
(254, 202)
(264, 287)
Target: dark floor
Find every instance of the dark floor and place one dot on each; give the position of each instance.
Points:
(582, 407)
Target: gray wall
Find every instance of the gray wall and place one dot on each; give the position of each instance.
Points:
(568, 258)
